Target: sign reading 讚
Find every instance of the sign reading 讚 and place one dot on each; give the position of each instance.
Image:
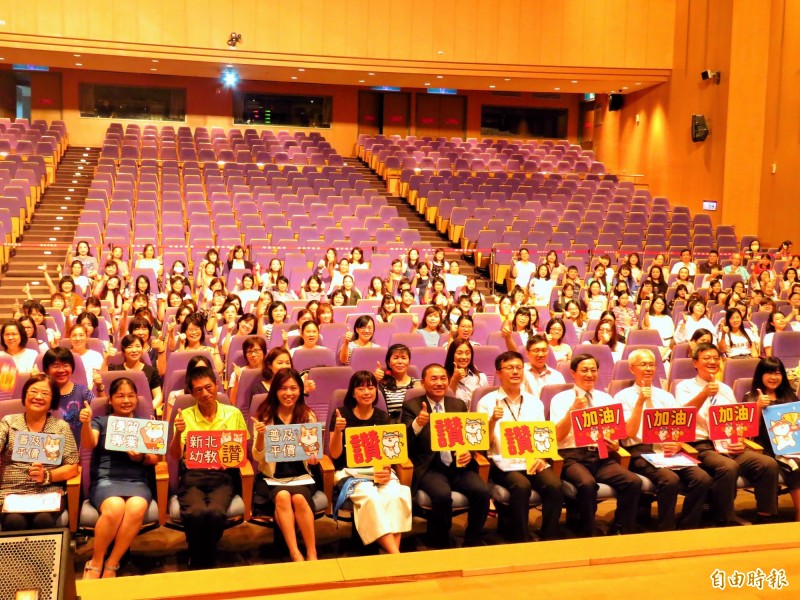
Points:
(215, 449)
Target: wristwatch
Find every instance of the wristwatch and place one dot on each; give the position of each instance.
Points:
(46, 480)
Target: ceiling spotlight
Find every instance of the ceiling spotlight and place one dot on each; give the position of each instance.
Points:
(230, 78)
(574, 81)
(294, 76)
(491, 87)
(507, 79)
(234, 39)
(709, 74)
(155, 60)
(360, 81)
(301, 70)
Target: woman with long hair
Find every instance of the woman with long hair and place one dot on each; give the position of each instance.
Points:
(605, 334)
(286, 489)
(463, 375)
(771, 386)
(381, 505)
(735, 341)
(430, 326)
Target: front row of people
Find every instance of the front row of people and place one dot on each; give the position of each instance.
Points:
(381, 505)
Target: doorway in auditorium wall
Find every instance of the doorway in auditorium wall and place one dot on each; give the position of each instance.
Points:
(440, 116)
(387, 113)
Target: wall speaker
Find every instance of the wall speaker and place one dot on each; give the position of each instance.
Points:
(616, 101)
(699, 128)
(37, 564)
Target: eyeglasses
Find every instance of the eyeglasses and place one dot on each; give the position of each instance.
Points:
(513, 368)
(646, 365)
(39, 394)
(254, 351)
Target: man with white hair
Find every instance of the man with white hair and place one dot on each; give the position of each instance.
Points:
(635, 399)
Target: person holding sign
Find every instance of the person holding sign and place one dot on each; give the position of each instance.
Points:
(119, 488)
(762, 471)
(22, 476)
(583, 467)
(286, 488)
(771, 387)
(510, 403)
(381, 507)
(696, 482)
(204, 495)
(437, 473)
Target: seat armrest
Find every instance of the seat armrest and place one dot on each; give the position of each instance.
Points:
(162, 491)
(74, 500)
(405, 472)
(326, 465)
(483, 467)
(688, 449)
(623, 456)
(246, 472)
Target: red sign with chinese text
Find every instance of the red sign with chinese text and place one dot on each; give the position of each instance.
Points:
(661, 425)
(215, 449)
(732, 421)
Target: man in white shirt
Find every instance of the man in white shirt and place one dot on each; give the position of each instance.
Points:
(510, 403)
(583, 467)
(635, 399)
(685, 261)
(762, 471)
(538, 374)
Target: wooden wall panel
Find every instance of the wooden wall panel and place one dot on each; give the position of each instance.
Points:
(377, 21)
(530, 26)
(172, 13)
(487, 32)
(508, 32)
(572, 23)
(597, 44)
(74, 19)
(151, 28)
(515, 32)
(312, 27)
(422, 14)
(465, 25)
(355, 38)
(197, 34)
(444, 34)
(552, 25)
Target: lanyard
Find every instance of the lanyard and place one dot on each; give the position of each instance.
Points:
(519, 412)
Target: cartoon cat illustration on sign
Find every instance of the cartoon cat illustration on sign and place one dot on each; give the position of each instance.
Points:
(782, 432)
(474, 431)
(309, 440)
(541, 439)
(51, 448)
(391, 444)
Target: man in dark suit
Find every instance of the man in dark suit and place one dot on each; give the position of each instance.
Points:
(438, 473)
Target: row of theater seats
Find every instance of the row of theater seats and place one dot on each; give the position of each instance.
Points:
(29, 153)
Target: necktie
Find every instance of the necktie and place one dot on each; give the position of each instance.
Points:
(445, 456)
(588, 397)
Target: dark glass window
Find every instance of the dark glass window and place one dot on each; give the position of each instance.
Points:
(278, 109)
(524, 122)
(128, 102)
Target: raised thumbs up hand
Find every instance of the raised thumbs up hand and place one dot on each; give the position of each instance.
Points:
(180, 424)
(423, 417)
(379, 372)
(341, 422)
(258, 426)
(85, 415)
(498, 412)
(763, 400)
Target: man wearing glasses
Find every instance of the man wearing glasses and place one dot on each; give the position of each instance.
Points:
(583, 467)
(510, 403)
(732, 460)
(635, 400)
(539, 374)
